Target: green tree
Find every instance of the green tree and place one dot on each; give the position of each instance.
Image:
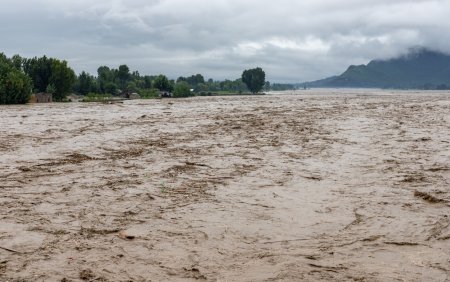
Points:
(40, 72)
(50, 89)
(110, 88)
(181, 78)
(17, 62)
(131, 87)
(123, 75)
(254, 79)
(62, 79)
(15, 86)
(148, 82)
(135, 75)
(202, 87)
(162, 83)
(194, 80)
(45, 71)
(182, 89)
(105, 77)
(85, 84)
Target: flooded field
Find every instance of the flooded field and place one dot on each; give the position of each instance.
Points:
(314, 186)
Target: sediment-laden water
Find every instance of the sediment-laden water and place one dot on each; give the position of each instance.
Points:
(316, 185)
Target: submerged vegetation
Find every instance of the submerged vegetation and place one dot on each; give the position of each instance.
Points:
(20, 77)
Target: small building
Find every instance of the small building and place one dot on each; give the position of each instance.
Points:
(165, 94)
(41, 98)
(134, 96)
(74, 98)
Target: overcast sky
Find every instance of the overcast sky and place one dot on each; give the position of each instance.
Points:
(292, 40)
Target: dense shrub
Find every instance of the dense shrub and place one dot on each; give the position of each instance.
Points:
(149, 93)
(182, 89)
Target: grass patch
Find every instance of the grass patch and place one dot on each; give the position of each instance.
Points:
(97, 97)
(149, 93)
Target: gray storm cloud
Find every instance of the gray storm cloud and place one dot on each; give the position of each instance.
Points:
(292, 40)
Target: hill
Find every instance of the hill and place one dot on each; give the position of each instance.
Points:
(419, 69)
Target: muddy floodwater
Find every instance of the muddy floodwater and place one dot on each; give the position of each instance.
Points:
(318, 185)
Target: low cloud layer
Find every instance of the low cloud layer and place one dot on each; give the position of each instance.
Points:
(292, 41)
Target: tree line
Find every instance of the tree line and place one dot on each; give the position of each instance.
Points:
(122, 81)
(19, 77)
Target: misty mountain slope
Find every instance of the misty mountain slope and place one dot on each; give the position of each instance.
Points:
(420, 68)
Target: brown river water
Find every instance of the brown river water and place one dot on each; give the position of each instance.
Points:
(318, 185)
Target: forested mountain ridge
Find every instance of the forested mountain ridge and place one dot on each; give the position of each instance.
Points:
(419, 69)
